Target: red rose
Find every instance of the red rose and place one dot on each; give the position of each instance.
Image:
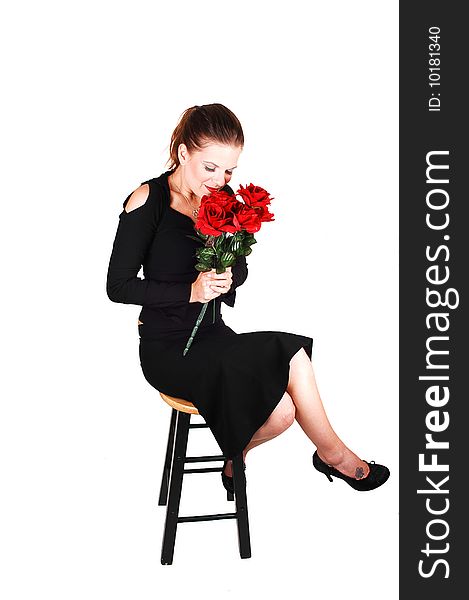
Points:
(254, 195)
(264, 214)
(218, 196)
(247, 217)
(258, 199)
(216, 216)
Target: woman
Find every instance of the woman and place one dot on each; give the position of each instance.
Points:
(248, 387)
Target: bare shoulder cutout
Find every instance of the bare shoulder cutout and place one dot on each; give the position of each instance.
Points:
(138, 198)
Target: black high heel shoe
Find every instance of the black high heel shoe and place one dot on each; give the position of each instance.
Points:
(378, 474)
(228, 481)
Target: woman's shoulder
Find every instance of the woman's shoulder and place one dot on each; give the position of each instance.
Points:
(137, 198)
(150, 193)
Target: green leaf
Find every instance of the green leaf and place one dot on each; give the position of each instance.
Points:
(195, 238)
(206, 253)
(227, 258)
(235, 245)
(202, 267)
(248, 245)
(220, 242)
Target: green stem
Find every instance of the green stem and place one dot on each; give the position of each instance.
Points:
(194, 331)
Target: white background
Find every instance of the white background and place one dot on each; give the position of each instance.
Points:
(93, 91)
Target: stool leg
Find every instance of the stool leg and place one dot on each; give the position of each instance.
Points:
(168, 460)
(175, 487)
(242, 519)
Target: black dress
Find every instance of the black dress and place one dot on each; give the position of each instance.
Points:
(234, 379)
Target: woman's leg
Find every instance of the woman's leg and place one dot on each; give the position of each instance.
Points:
(302, 401)
(312, 418)
(281, 418)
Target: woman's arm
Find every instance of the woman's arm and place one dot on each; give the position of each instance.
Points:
(135, 233)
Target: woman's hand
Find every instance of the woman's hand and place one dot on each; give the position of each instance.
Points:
(209, 285)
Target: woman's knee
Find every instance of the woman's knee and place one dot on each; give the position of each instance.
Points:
(283, 415)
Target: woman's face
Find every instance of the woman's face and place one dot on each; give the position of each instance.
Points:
(209, 168)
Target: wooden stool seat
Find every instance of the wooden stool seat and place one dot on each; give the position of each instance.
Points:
(180, 404)
(174, 470)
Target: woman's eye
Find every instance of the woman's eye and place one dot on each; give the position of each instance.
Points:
(212, 170)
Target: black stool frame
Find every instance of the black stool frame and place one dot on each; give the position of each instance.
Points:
(173, 473)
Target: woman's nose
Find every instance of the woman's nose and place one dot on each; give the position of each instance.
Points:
(225, 179)
(219, 182)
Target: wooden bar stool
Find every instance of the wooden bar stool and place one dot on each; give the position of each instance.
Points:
(174, 471)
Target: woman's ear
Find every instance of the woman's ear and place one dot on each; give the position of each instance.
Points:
(183, 154)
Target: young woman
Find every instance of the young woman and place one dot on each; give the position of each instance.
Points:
(249, 387)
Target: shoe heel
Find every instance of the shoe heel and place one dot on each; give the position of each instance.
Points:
(322, 467)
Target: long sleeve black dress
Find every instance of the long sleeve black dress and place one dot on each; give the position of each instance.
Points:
(234, 380)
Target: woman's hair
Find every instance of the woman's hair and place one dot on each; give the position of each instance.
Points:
(199, 126)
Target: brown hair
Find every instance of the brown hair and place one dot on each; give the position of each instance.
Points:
(202, 125)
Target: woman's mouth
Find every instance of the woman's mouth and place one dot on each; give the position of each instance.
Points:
(210, 189)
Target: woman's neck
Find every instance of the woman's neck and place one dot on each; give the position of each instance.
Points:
(177, 184)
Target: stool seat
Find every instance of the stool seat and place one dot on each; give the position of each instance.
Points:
(180, 404)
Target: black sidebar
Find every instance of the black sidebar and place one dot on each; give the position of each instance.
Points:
(434, 257)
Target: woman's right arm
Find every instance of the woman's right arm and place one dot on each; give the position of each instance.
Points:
(135, 233)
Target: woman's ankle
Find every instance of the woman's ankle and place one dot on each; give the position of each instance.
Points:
(229, 465)
(345, 461)
(332, 455)
(229, 469)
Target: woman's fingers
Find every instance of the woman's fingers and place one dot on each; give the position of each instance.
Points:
(215, 284)
(220, 277)
(215, 275)
(208, 288)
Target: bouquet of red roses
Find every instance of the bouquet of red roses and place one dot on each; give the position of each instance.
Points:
(227, 226)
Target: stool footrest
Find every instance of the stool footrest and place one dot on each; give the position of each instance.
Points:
(197, 425)
(215, 517)
(192, 459)
(204, 470)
